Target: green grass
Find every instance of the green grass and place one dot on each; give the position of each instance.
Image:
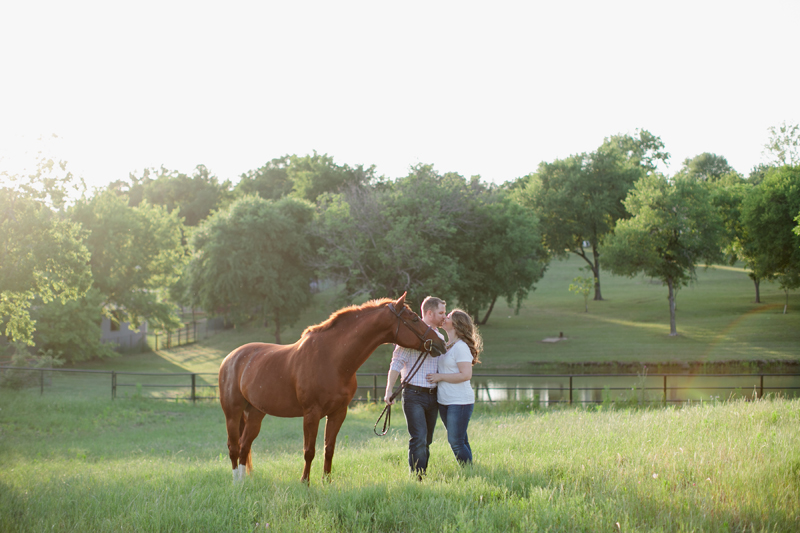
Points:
(718, 323)
(134, 465)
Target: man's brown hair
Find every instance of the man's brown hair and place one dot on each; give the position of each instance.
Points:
(431, 303)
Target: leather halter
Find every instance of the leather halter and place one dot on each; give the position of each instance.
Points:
(426, 344)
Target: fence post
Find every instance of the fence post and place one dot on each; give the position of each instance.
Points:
(570, 390)
(113, 385)
(665, 389)
(41, 382)
(375, 388)
(194, 396)
(761, 389)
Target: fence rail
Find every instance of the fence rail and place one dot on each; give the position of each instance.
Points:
(544, 389)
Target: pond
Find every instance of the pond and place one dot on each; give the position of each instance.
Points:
(588, 389)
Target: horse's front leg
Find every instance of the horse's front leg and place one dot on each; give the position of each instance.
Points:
(310, 430)
(332, 427)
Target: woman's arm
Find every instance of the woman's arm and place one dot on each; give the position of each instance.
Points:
(464, 374)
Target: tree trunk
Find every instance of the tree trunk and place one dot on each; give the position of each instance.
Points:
(757, 283)
(277, 327)
(488, 312)
(786, 305)
(596, 272)
(673, 330)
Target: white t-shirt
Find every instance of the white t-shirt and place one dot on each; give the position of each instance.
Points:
(455, 393)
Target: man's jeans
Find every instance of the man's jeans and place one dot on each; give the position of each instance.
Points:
(421, 411)
(456, 419)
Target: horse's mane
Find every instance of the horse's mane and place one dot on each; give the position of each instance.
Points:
(337, 315)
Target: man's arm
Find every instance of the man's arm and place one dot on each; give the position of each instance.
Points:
(390, 380)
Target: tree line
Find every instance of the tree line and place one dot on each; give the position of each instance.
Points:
(255, 251)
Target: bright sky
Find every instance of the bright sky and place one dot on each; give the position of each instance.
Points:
(489, 88)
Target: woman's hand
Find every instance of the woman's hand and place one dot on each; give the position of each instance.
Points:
(434, 378)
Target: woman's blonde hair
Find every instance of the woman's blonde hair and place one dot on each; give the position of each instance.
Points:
(467, 331)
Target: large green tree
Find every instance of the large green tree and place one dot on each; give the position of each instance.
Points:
(193, 196)
(41, 256)
(578, 200)
(673, 228)
(728, 195)
(705, 167)
(431, 234)
(136, 253)
(73, 328)
(768, 214)
(270, 181)
(499, 254)
(391, 238)
(313, 175)
(254, 258)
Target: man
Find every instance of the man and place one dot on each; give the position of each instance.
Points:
(419, 397)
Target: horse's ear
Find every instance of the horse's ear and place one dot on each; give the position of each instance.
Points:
(401, 301)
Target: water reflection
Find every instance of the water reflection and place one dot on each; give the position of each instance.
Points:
(586, 389)
(596, 389)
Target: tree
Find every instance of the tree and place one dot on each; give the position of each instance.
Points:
(579, 199)
(500, 254)
(783, 147)
(313, 175)
(194, 197)
(705, 167)
(582, 286)
(727, 197)
(72, 328)
(254, 258)
(41, 255)
(270, 182)
(391, 238)
(136, 253)
(672, 229)
(768, 215)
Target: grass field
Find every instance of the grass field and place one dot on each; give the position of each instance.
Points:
(718, 323)
(73, 460)
(70, 464)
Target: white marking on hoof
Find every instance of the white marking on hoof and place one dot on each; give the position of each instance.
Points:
(238, 474)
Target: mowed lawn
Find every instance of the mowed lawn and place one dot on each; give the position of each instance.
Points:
(716, 317)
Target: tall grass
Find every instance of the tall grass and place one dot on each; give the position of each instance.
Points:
(137, 465)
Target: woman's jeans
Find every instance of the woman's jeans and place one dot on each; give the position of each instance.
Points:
(456, 419)
(421, 413)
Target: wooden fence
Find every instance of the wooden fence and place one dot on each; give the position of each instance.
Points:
(542, 389)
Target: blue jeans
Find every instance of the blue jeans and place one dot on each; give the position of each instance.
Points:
(456, 419)
(421, 411)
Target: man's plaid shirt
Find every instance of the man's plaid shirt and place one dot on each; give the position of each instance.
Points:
(404, 359)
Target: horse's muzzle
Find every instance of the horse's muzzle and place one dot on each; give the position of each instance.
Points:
(431, 348)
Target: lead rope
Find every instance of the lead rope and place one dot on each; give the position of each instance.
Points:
(388, 409)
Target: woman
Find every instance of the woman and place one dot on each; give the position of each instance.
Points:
(455, 395)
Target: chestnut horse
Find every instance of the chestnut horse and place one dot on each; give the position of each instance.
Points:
(315, 377)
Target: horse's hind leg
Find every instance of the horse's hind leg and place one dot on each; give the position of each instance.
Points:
(252, 427)
(234, 424)
(332, 427)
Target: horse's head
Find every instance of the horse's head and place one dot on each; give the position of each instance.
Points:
(412, 332)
